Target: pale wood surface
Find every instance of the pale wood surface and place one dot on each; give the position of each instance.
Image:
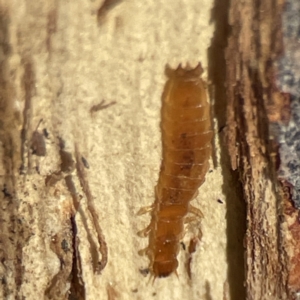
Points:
(56, 64)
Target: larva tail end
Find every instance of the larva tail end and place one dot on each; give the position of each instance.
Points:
(164, 269)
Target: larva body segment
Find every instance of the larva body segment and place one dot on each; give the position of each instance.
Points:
(186, 137)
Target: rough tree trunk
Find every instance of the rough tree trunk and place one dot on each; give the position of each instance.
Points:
(262, 140)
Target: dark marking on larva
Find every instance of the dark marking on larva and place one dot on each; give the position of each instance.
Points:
(186, 139)
(220, 201)
(101, 106)
(105, 8)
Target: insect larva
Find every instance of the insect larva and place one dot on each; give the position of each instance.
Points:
(186, 139)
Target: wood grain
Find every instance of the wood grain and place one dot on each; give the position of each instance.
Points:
(56, 64)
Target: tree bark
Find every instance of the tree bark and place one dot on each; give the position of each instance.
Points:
(260, 116)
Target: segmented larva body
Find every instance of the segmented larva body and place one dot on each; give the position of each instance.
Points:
(186, 138)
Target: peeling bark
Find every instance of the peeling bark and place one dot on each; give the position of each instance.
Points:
(255, 103)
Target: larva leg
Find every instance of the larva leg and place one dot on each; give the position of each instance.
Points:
(196, 211)
(144, 210)
(195, 195)
(144, 232)
(188, 220)
(144, 251)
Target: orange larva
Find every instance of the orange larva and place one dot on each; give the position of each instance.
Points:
(186, 138)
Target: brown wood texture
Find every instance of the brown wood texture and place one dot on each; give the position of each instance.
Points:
(272, 240)
(81, 148)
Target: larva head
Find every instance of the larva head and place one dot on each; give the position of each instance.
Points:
(187, 72)
(164, 268)
(184, 89)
